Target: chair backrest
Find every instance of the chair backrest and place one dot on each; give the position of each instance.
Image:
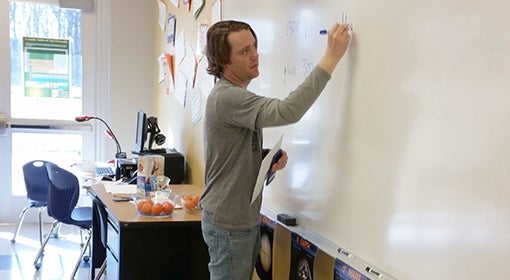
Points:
(36, 180)
(101, 213)
(63, 193)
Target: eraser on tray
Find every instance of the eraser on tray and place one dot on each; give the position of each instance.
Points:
(286, 219)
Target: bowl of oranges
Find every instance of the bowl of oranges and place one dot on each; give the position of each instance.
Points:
(153, 207)
(190, 203)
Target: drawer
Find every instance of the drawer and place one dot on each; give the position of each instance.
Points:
(113, 239)
(112, 266)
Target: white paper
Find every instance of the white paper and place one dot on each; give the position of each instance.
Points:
(216, 11)
(181, 85)
(175, 3)
(188, 65)
(115, 188)
(264, 167)
(170, 30)
(162, 63)
(197, 7)
(161, 15)
(201, 41)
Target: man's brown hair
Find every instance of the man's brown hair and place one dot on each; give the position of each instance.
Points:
(218, 49)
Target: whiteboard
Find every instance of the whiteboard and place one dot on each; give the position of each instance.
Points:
(405, 158)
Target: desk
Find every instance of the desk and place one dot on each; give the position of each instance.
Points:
(149, 248)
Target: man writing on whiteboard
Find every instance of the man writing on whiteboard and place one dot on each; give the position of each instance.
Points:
(234, 119)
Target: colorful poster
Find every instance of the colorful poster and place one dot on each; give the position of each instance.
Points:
(302, 258)
(264, 265)
(46, 67)
(345, 272)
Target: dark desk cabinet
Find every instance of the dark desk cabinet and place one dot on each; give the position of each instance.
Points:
(149, 248)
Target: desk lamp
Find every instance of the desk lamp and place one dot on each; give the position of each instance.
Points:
(120, 154)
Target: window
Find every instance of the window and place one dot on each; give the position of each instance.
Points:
(42, 90)
(46, 61)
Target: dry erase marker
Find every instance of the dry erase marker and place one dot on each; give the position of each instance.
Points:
(344, 252)
(344, 21)
(324, 31)
(370, 270)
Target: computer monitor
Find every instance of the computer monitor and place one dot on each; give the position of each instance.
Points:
(141, 131)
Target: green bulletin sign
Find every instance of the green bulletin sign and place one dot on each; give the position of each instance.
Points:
(46, 67)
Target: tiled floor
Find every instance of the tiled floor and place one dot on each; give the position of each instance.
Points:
(60, 254)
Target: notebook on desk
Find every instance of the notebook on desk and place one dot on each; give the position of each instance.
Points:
(155, 151)
(119, 188)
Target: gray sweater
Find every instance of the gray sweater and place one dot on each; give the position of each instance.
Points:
(234, 118)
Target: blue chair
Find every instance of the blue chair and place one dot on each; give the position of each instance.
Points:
(63, 194)
(102, 215)
(36, 184)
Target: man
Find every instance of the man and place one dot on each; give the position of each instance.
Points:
(234, 118)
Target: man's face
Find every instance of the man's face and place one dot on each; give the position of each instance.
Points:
(244, 58)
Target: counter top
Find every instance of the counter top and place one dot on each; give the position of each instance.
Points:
(125, 211)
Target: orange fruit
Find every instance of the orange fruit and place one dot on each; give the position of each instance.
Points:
(187, 204)
(140, 204)
(194, 200)
(168, 207)
(146, 208)
(157, 208)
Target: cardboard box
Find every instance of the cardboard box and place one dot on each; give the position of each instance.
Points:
(149, 166)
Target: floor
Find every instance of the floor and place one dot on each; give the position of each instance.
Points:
(59, 259)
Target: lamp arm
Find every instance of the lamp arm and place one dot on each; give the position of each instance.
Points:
(119, 153)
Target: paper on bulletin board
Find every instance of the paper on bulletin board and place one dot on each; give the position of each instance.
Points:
(201, 41)
(198, 5)
(216, 11)
(196, 106)
(264, 167)
(161, 65)
(166, 72)
(186, 4)
(207, 84)
(170, 30)
(161, 15)
(180, 49)
(181, 84)
(188, 65)
(175, 3)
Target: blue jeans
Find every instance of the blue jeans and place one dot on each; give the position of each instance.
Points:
(232, 253)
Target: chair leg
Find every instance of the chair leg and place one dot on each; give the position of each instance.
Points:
(56, 233)
(20, 221)
(83, 250)
(40, 225)
(37, 262)
(101, 271)
(81, 237)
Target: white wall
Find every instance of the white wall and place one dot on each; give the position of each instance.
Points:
(129, 25)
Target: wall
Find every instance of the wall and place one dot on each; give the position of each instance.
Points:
(128, 39)
(175, 120)
(403, 160)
